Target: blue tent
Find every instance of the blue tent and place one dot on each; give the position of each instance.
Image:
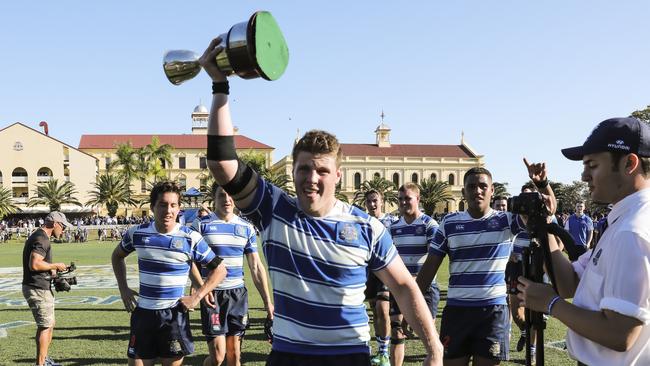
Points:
(192, 192)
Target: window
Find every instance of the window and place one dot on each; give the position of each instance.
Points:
(434, 177)
(451, 180)
(181, 162)
(182, 183)
(203, 163)
(414, 178)
(107, 160)
(163, 163)
(143, 185)
(461, 206)
(377, 175)
(357, 180)
(396, 179)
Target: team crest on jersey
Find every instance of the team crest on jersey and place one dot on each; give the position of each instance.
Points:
(177, 243)
(596, 257)
(349, 233)
(493, 223)
(419, 230)
(240, 230)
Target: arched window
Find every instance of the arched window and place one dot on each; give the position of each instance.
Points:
(461, 206)
(19, 175)
(203, 183)
(451, 180)
(414, 178)
(433, 177)
(44, 174)
(396, 180)
(377, 175)
(0, 179)
(357, 180)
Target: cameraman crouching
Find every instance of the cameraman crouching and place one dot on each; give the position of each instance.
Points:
(609, 319)
(37, 271)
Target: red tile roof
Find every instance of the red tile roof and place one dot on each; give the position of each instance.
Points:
(177, 141)
(447, 151)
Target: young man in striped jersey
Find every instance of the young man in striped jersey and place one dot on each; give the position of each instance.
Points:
(376, 292)
(412, 235)
(475, 321)
(318, 248)
(160, 325)
(232, 239)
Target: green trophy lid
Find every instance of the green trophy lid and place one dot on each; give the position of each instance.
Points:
(271, 51)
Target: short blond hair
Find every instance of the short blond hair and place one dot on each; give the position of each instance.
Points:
(318, 142)
(410, 186)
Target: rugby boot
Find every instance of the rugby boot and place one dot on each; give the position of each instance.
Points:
(380, 359)
(50, 362)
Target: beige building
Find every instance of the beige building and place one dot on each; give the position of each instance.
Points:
(189, 163)
(30, 157)
(402, 163)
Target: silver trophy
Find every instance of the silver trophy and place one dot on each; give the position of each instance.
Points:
(252, 49)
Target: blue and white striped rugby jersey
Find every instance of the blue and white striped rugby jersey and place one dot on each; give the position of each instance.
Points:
(413, 240)
(388, 220)
(230, 240)
(164, 262)
(478, 253)
(318, 268)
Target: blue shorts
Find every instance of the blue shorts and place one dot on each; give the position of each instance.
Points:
(160, 333)
(481, 331)
(431, 297)
(374, 286)
(229, 317)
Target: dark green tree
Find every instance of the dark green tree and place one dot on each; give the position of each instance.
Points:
(111, 191)
(386, 187)
(432, 193)
(53, 195)
(643, 114)
(500, 189)
(7, 205)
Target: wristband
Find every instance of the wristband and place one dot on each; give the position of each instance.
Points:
(550, 304)
(221, 88)
(541, 185)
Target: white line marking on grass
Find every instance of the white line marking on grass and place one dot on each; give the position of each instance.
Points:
(16, 324)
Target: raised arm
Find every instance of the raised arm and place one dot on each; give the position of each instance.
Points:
(538, 174)
(237, 179)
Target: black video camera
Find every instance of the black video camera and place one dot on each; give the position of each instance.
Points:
(529, 203)
(65, 279)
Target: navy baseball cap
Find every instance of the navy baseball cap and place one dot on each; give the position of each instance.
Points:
(627, 135)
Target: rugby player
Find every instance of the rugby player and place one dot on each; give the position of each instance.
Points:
(160, 326)
(412, 235)
(476, 320)
(376, 292)
(318, 248)
(232, 239)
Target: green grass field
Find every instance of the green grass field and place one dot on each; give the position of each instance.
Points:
(92, 327)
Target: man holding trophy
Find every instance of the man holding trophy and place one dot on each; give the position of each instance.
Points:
(318, 249)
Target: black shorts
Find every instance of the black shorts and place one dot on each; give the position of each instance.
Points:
(431, 297)
(374, 286)
(295, 359)
(481, 331)
(160, 333)
(229, 317)
(513, 271)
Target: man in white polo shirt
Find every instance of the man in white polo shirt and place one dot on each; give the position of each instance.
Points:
(610, 284)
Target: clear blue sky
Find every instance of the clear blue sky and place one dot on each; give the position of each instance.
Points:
(518, 77)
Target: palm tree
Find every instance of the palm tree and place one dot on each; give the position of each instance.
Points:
(7, 205)
(280, 180)
(111, 190)
(158, 158)
(500, 190)
(127, 161)
(386, 187)
(432, 193)
(53, 195)
(340, 196)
